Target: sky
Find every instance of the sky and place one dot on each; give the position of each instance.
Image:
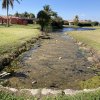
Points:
(67, 9)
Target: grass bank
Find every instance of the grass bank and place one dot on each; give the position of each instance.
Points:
(14, 40)
(81, 96)
(91, 37)
(12, 37)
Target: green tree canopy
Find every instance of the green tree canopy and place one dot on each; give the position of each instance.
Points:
(47, 8)
(43, 19)
(16, 14)
(31, 15)
(24, 15)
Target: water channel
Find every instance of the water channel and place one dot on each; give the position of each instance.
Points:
(52, 63)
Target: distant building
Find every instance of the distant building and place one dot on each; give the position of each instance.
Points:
(71, 22)
(17, 20)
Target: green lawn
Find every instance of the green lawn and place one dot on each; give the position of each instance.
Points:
(92, 37)
(81, 96)
(13, 36)
(29, 26)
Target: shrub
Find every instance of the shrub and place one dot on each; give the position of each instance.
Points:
(57, 23)
(85, 24)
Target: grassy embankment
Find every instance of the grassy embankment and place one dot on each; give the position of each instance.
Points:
(91, 38)
(81, 96)
(13, 36)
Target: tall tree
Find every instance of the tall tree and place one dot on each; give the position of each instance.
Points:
(48, 18)
(47, 8)
(5, 5)
(16, 14)
(49, 11)
(43, 18)
(31, 15)
(54, 14)
(26, 14)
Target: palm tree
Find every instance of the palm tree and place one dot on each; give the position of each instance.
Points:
(5, 5)
(47, 8)
(16, 14)
(54, 14)
(43, 19)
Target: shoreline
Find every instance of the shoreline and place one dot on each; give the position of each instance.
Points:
(8, 58)
(41, 92)
(95, 54)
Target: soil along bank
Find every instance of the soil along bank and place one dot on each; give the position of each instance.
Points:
(6, 59)
(91, 38)
(14, 41)
(57, 63)
(89, 42)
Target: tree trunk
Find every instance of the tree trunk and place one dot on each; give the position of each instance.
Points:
(7, 15)
(42, 28)
(2, 21)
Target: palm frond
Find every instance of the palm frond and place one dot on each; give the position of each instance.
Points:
(11, 2)
(18, 1)
(4, 4)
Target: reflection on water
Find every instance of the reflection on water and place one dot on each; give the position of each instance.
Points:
(73, 29)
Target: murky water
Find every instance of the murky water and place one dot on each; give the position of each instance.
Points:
(74, 29)
(52, 63)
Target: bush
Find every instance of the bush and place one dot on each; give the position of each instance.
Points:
(85, 24)
(57, 23)
(43, 19)
(95, 23)
(66, 23)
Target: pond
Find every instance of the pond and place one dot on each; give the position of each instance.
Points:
(74, 29)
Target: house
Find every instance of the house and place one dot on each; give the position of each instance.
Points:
(17, 20)
(71, 22)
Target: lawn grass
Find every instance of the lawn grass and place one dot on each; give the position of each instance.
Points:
(93, 82)
(29, 26)
(90, 37)
(80, 96)
(8, 96)
(13, 36)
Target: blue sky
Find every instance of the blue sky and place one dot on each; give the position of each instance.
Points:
(85, 9)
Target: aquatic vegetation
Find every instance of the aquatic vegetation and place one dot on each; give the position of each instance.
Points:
(93, 82)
